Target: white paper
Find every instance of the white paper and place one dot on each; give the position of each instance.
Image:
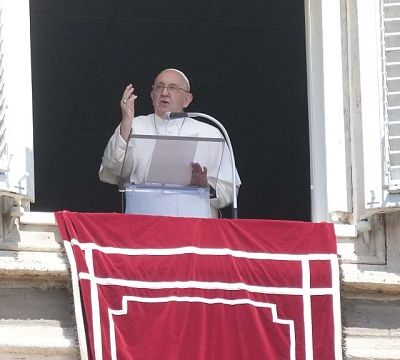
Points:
(172, 162)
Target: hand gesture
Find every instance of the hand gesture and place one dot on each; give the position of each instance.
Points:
(127, 110)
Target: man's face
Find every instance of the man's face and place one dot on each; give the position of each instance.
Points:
(170, 93)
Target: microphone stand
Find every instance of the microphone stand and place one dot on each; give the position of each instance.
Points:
(228, 142)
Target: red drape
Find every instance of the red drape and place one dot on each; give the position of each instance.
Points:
(204, 289)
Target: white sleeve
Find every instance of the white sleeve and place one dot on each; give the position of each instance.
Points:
(114, 157)
(224, 185)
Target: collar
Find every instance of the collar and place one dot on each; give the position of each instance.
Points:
(162, 122)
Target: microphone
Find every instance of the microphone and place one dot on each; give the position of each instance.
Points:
(175, 115)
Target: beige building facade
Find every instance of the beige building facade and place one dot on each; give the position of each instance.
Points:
(353, 68)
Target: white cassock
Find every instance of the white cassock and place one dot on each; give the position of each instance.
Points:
(138, 155)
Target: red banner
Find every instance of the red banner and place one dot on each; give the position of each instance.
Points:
(149, 287)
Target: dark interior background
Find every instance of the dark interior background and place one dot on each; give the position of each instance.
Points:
(247, 66)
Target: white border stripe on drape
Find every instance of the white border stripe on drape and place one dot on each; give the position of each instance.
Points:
(337, 317)
(77, 301)
(94, 298)
(308, 335)
(211, 301)
(206, 285)
(202, 251)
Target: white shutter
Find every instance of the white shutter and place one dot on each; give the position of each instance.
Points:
(3, 145)
(391, 59)
(379, 58)
(16, 128)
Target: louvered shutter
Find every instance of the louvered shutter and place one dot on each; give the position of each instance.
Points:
(391, 47)
(3, 145)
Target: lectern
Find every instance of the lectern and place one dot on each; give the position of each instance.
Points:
(153, 199)
(165, 186)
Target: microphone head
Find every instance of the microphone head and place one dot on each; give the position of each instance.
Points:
(174, 115)
(166, 115)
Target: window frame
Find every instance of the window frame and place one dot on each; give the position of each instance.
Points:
(17, 165)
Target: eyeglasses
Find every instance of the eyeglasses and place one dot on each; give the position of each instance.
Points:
(171, 88)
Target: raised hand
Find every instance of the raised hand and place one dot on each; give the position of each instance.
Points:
(128, 111)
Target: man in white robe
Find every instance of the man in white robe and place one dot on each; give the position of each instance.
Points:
(170, 93)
